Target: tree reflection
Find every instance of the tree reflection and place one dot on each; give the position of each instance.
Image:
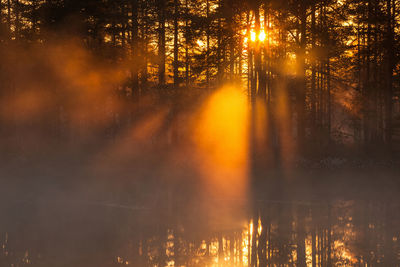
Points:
(278, 233)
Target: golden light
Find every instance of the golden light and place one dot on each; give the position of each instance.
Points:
(200, 43)
(251, 228)
(221, 137)
(261, 36)
(252, 36)
(259, 229)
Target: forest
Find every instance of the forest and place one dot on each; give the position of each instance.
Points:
(330, 68)
(208, 133)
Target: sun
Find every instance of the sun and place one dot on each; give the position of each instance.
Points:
(261, 36)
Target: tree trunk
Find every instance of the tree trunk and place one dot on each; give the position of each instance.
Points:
(208, 45)
(313, 73)
(187, 59)
(301, 73)
(301, 236)
(135, 47)
(176, 44)
(161, 42)
(389, 73)
(9, 18)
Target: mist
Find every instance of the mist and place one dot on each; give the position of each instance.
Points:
(199, 133)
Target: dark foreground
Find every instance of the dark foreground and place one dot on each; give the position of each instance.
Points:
(67, 214)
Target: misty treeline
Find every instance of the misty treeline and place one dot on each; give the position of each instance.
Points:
(331, 65)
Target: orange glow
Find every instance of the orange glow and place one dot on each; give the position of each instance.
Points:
(200, 43)
(259, 229)
(261, 36)
(251, 228)
(252, 36)
(221, 138)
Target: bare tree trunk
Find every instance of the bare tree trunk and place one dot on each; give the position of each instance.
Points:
(240, 54)
(257, 53)
(135, 46)
(208, 45)
(230, 22)
(17, 20)
(187, 59)
(176, 44)
(220, 69)
(301, 91)
(329, 100)
(366, 85)
(389, 73)
(144, 48)
(161, 42)
(9, 18)
(313, 72)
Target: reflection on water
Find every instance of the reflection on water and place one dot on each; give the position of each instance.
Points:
(340, 233)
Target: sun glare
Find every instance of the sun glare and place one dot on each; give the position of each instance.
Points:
(261, 37)
(200, 43)
(252, 36)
